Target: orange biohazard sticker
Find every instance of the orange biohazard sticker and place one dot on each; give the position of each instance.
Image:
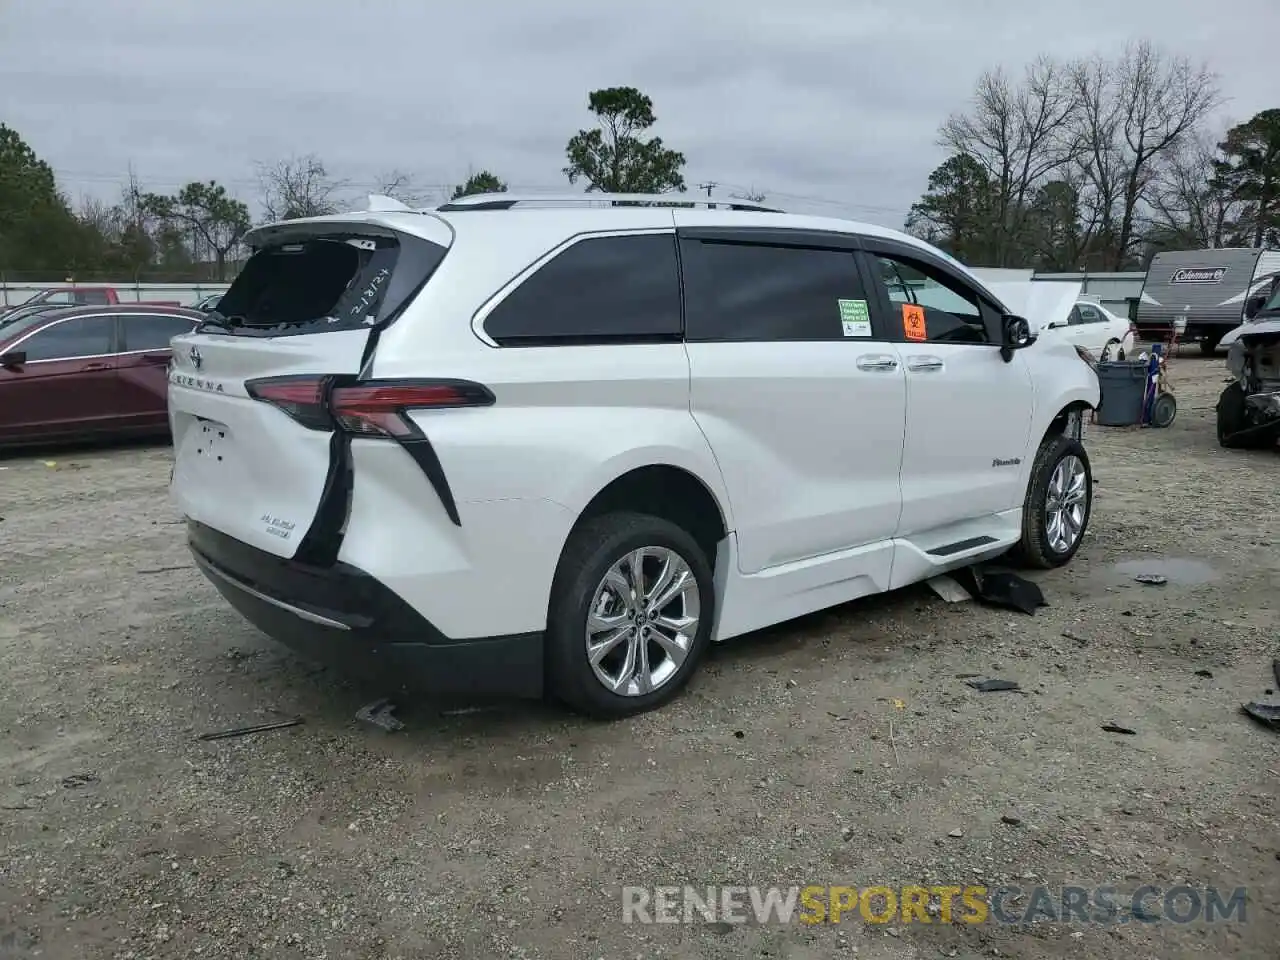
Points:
(913, 321)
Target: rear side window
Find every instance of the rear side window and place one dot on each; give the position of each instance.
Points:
(329, 282)
(93, 297)
(70, 339)
(757, 292)
(599, 290)
(152, 331)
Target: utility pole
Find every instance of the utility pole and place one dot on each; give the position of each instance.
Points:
(708, 187)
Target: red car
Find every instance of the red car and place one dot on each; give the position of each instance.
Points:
(87, 372)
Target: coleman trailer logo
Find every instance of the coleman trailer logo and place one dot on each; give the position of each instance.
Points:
(1198, 275)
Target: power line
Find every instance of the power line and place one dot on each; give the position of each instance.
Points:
(373, 185)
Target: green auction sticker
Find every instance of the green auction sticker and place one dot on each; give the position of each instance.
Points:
(855, 318)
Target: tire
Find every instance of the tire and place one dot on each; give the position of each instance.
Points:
(1163, 410)
(1232, 419)
(594, 549)
(1037, 547)
(1209, 346)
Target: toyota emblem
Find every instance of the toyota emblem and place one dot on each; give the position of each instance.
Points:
(195, 357)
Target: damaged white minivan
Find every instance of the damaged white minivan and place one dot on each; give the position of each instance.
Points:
(525, 445)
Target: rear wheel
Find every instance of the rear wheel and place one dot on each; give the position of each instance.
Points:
(1209, 345)
(631, 613)
(1059, 500)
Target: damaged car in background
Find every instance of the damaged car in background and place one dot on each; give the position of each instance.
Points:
(1249, 408)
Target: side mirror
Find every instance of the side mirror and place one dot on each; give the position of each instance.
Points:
(1015, 335)
(1252, 306)
(13, 359)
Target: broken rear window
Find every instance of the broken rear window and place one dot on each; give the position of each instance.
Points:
(327, 282)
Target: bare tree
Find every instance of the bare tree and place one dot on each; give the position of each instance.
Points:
(1020, 134)
(1188, 208)
(297, 187)
(1134, 113)
(402, 186)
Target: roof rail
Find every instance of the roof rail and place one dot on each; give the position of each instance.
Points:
(505, 201)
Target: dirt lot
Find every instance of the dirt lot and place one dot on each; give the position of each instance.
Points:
(510, 832)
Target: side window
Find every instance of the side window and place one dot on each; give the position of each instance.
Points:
(70, 339)
(1089, 314)
(152, 331)
(599, 290)
(1074, 318)
(94, 298)
(757, 292)
(929, 304)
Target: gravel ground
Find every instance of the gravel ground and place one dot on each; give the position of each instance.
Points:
(509, 832)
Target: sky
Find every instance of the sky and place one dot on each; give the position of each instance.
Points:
(825, 106)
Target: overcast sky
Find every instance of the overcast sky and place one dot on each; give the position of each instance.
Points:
(824, 105)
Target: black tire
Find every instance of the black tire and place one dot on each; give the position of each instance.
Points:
(1034, 549)
(1163, 410)
(1232, 419)
(592, 549)
(1209, 346)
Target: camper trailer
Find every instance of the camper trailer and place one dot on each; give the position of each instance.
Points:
(1202, 294)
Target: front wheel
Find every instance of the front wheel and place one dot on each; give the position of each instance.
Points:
(1055, 513)
(631, 613)
(1235, 429)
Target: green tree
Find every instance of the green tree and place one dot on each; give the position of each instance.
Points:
(482, 182)
(956, 211)
(208, 214)
(1249, 170)
(615, 157)
(38, 231)
(1054, 234)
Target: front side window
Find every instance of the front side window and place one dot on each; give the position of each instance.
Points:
(597, 290)
(152, 331)
(70, 340)
(1088, 314)
(760, 292)
(929, 304)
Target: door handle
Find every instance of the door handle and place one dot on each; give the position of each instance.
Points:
(96, 366)
(924, 364)
(877, 362)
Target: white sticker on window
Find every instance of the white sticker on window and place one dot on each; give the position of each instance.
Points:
(855, 318)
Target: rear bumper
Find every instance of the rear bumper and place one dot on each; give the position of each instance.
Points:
(343, 617)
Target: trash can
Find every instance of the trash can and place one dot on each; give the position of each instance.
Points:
(1123, 386)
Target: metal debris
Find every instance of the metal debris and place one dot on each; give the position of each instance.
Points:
(245, 731)
(1116, 728)
(381, 714)
(992, 684)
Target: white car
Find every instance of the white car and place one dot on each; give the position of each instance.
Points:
(524, 445)
(1094, 327)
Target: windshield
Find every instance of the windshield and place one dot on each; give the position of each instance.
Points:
(1272, 304)
(20, 321)
(47, 296)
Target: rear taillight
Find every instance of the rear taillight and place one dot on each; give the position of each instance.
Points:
(380, 409)
(370, 409)
(302, 398)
